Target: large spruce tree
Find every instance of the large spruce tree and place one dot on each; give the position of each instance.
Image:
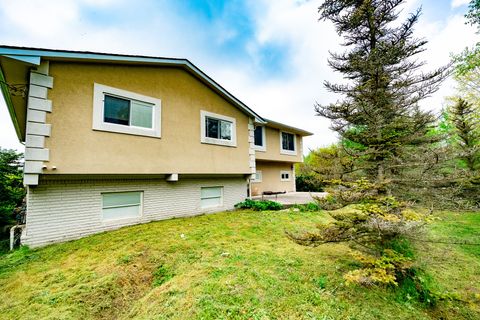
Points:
(379, 119)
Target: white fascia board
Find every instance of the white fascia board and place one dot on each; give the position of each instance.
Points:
(33, 60)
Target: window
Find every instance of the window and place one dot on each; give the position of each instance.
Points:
(259, 138)
(287, 143)
(258, 176)
(284, 175)
(218, 129)
(121, 111)
(121, 205)
(211, 197)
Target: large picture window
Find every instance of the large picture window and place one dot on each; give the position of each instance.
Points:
(121, 205)
(287, 143)
(218, 129)
(121, 111)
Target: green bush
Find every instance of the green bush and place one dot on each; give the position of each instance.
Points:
(308, 207)
(308, 183)
(259, 205)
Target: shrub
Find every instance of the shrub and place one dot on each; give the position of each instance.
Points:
(375, 225)
(308, 207)
(259, 205)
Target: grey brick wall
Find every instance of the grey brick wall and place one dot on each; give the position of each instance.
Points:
(64, 210)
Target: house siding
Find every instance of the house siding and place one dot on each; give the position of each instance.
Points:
(62, 210)
(271, 180)
(76, 148)
(273, 152)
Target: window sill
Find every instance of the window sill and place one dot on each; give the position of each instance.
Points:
(288, 152)
(122, 221)
(219, 142)
(130, 131)
(260, 148)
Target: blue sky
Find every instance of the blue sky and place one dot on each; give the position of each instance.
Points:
(270, 54)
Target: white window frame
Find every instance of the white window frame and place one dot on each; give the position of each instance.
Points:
(222, 142)
(99, 93)
(215, 206)
(263, 147)
(288, 152)
(255, 180)
(107, 221)
(285, 172)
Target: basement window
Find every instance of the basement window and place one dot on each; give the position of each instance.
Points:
(121, 111)
(258, 177)
(211, 197)
(121, 205)
(284, 175)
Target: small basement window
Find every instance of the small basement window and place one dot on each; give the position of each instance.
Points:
(259, 138)
(211, 197)
(218, 129)
(258, 176)
(122, 111)
(284, 175)
(121, 205)
(287, 143)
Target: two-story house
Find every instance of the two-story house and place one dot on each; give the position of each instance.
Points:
(114, 140)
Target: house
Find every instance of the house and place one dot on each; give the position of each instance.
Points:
(114, 140)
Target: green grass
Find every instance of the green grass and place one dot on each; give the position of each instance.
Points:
(231, 265)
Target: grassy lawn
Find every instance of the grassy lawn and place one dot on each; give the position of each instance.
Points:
(231, 265)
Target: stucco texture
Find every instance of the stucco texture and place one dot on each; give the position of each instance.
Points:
(271, 180)
(75, 148)
(272, 152)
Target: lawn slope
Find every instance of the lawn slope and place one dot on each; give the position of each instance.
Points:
(231, 265)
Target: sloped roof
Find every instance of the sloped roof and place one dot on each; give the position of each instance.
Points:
(33, 56)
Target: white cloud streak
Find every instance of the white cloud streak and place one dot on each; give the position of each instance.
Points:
(459, 3)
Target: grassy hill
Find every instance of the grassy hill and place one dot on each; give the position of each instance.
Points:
(230, 265)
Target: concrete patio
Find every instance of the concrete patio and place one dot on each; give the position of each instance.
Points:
(292, 198)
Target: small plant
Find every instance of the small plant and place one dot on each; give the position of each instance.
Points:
(161, 275)
(308, 207)
(259, 205)
(321, 282)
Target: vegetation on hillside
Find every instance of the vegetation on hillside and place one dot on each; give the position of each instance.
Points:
(11, 191)
(232, 265)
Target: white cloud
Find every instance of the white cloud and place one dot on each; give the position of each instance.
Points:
(459, 3)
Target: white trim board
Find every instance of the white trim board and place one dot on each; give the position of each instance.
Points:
(99, 91)
(203, 134)
(288, 152)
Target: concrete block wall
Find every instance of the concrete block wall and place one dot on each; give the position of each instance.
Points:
(69, 209)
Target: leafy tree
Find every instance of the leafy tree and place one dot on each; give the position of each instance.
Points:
(12, 191)
(379, 119)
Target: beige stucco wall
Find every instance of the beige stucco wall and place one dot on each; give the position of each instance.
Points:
(77, 149)
(273, 148)
(271, 178)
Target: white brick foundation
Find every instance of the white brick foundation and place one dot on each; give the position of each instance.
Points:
(64, 210)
